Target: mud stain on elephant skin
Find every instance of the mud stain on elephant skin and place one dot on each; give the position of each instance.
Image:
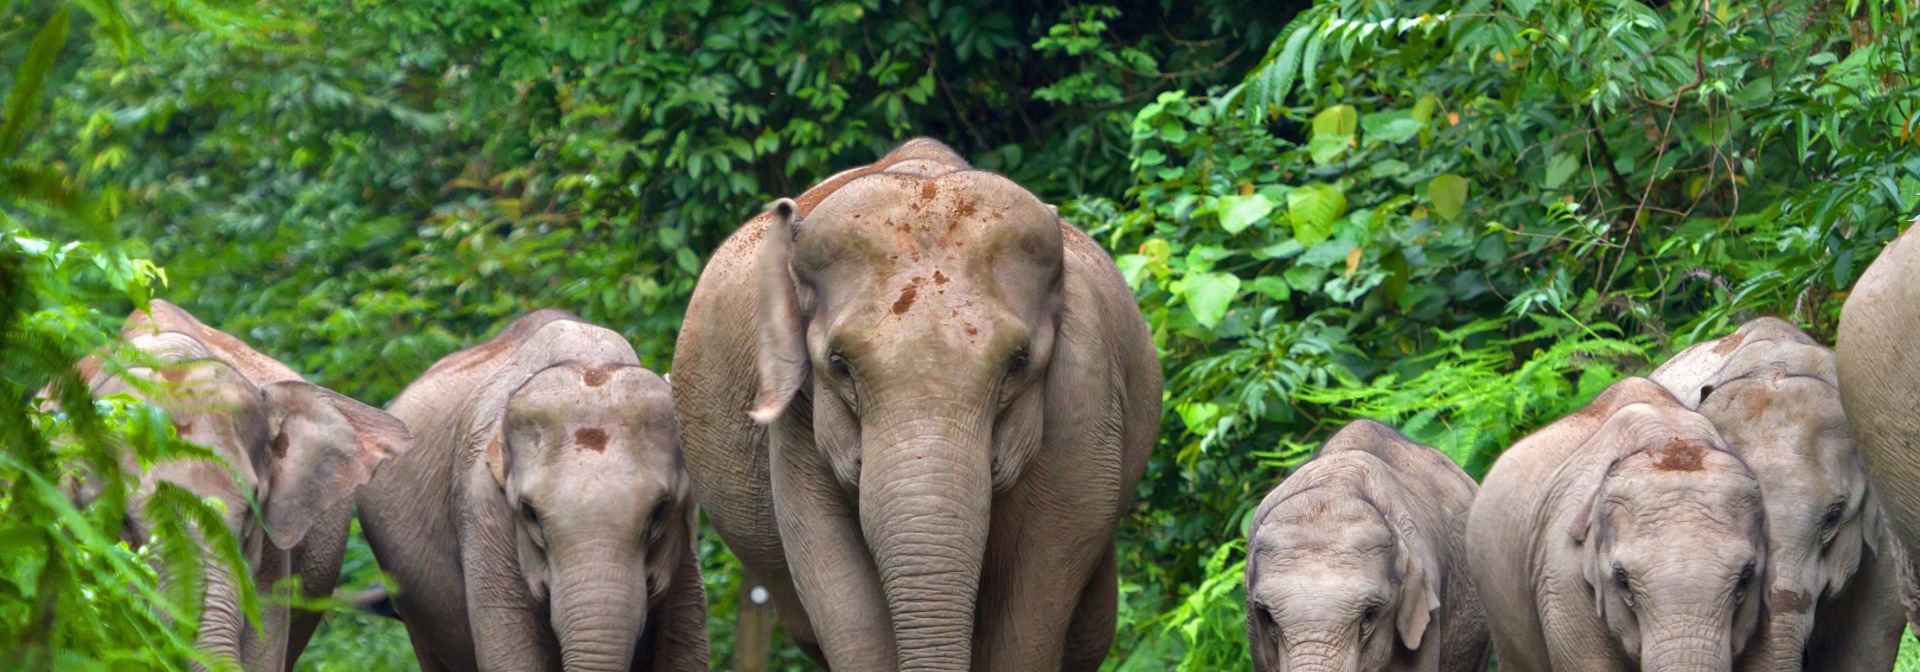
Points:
(1729, 343)
(595, 377)
(1790, 601)
(591, 438)
(1679, 455)
(907, 295)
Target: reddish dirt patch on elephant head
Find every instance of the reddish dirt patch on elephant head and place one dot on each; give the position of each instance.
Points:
(939, 278)
(929, 190)
(591, 438)
(1679, 455)
(1790, 601)
(594, 377)
(1729, 343)
(905, 301)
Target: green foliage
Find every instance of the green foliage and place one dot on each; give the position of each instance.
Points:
(73, 595)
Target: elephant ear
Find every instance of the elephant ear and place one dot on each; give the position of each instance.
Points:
(1584, 530)
(1419, 581)
(782, 354)
(323, 446)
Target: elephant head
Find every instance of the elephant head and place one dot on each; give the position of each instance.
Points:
(1336, 584)
(1821, 512)
(921, 309)
(1672, 542)
(292, 447)
(590, 462)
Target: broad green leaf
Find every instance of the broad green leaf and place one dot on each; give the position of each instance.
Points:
(1198, 415)
(1392, 127)
(1336, 120)
(1209, 295)
(1326, 149)
(1559, 168)
(1423, 109)
(1449, 195)
(1304, 278)
(1272, 286)
(1239, 212)
(1313, 209)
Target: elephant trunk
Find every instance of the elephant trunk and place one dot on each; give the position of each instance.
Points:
(221, 622)
(925, 493)
(1784, 643)
(1690, 645)
(1320, 655)
(599, 610)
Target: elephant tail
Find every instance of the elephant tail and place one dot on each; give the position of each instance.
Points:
(374, 600)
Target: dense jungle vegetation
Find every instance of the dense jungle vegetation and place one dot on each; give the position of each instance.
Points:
(1464, 217)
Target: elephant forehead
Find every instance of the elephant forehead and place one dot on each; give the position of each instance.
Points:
(1314, 522)
(1714, 498)
(889, 219)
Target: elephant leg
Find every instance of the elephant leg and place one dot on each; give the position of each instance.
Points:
(834, 575)
(422, 651)
(681, 643)
(1090, 633)
(1860, 628)
(316, 560)
(1051, 531)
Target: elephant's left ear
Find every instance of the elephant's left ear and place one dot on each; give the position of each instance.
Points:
(781, 357)
(323, 446)
(1420, 575)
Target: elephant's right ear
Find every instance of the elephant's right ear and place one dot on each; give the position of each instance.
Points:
(782, 353)
(1584, 519)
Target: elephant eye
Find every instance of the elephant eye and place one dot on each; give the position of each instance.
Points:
(1018, 363)
(1746, 577)
(659, 514)
(1832, 517)
(1264, 613)
(1620, 578)
(534, 531)
(1371, 612)
(838, 363)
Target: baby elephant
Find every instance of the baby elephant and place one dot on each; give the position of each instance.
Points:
(542, 520)
(1773, 395)
(1624, 536)
(1358, 562)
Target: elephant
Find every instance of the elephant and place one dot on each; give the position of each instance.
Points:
(1626, 535)
(543, 520)
(1837, 579)
(1880, 379)
(1357, 561)
(915, 404)
(297, 449)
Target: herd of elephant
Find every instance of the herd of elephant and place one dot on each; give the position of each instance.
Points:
(915, 404)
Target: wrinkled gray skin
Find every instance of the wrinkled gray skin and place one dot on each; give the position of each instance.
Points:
(1625, 536)
(1772, 394)
(543, 521)
(924, 436)
(299, 451)
(1357, 562)
(1879, 370)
